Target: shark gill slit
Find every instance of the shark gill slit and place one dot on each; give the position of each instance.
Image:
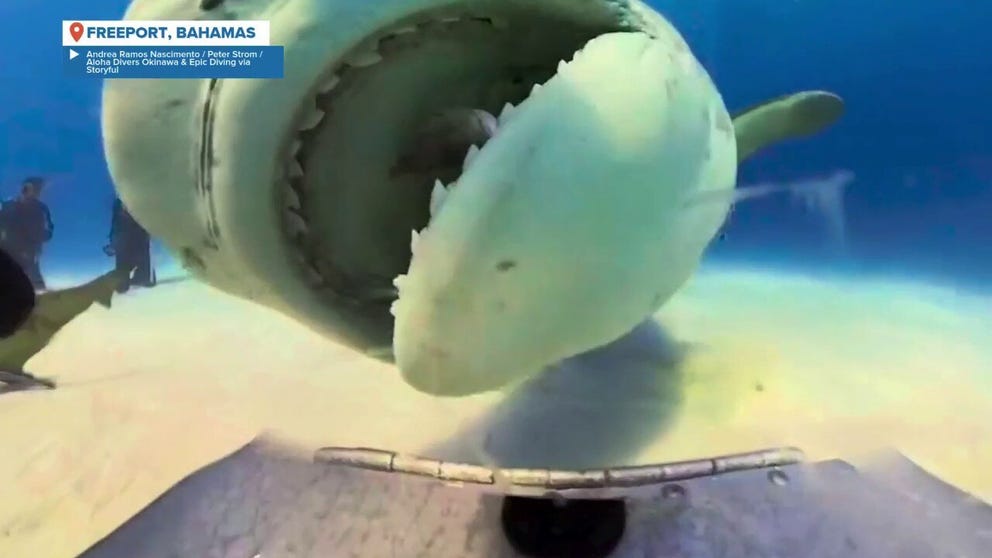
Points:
(204, 183)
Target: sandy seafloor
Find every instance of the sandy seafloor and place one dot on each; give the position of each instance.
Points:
(172, 378)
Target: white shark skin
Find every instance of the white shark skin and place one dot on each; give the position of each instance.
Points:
(153, 130)
(585, 235)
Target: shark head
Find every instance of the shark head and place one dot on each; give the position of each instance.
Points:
(541, 149)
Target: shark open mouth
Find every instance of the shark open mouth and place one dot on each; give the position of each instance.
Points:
(567, 161)
(366, 152)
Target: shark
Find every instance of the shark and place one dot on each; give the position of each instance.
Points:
(53, 310)
(470, 189)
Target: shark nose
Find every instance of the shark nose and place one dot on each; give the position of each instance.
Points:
(424, 365)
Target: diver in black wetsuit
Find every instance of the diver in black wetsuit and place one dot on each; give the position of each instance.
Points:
(130, 244)
(25, 226)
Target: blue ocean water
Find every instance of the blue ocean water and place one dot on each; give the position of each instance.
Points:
(897, 365)
(917, 80)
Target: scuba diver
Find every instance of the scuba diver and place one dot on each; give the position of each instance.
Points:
(130, 244)
(25, 226)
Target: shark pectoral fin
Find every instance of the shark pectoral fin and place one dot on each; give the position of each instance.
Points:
(54, 310)
(788, 117)
(102, 289)
(106, 286)
(61, 306)
(18, 379)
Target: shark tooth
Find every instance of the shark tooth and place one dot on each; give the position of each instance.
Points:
(364, 58)
(313, 117)
(294, 169)
(562, 64)
(295, 223)
(535, 89)
(399, 280)
(331, 83)
(313, 276)
(506, 113)
(393, 307)
(405, 29)
(414, 240)
(489, 123)
(470, 156)
(380, 293)
(292, 199)
(438, 195)
(294, 147)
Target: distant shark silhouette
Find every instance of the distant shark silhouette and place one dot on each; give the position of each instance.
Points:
(53, 310)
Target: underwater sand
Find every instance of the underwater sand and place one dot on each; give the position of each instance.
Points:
(173, 378)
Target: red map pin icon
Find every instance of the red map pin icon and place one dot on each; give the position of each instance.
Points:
(76, 30)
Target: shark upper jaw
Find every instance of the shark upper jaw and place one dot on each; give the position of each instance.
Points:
(344, 214)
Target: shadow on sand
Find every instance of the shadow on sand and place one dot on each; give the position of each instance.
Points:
(597, 409)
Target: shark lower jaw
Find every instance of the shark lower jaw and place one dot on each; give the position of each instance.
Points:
(346, 205)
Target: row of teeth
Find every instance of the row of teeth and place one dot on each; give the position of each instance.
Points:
(315, 116)
(440, 192)
(296, 223)
(295, 218)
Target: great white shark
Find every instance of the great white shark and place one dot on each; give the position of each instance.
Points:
(562, 165)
